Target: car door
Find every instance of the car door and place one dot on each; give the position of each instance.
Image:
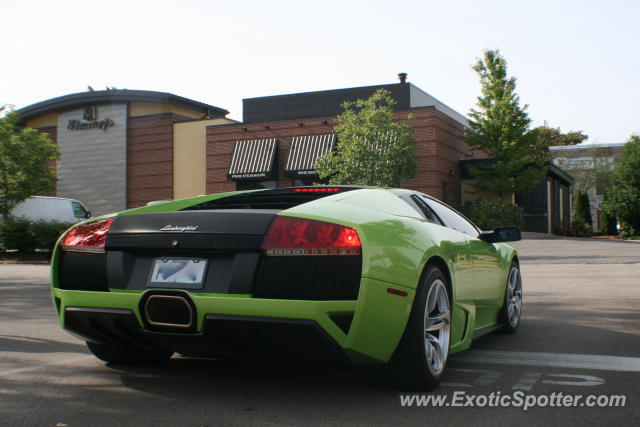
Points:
(488, 283)
(456, 247)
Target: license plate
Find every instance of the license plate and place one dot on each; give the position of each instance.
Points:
(186, 273)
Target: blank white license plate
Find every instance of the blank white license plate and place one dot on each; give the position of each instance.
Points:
(178, 272)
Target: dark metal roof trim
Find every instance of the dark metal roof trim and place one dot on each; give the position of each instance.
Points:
(552, 170)
(304, 151)
(561, 174)
(77, 100)
(253, 160)
(315, 104)
(329, 103)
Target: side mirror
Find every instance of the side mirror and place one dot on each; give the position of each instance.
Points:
(501, 234)
(88, 215)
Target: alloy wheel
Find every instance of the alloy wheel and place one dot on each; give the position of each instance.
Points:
(514, 297)
(437, 327)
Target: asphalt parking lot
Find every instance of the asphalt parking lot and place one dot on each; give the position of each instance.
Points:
(580, 335)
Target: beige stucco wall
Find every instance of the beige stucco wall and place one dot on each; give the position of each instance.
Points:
(190, 157)
(47, 120)
(137, 109)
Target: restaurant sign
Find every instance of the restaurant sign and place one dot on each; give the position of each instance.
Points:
(90, 121)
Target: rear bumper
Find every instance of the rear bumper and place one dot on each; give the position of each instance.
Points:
(227, 323)
(221, 336)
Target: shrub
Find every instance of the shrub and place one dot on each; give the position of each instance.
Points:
(25, 235)
(47, 233)
(627, 231)
(583, 209)
(17, 233)
(488, 216)
(581, 228)
(623, 198)
(607, 222)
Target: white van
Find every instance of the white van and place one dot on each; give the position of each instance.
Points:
(51, 209)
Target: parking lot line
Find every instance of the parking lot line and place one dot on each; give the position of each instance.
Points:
(557, 360)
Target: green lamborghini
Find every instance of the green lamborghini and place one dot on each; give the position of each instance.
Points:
(364, 275)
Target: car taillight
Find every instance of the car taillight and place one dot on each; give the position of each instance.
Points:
(298, 236)
(87, 237)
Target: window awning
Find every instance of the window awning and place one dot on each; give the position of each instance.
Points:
(303, 153)
(254, 160)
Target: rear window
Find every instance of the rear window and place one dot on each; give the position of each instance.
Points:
(280, 198)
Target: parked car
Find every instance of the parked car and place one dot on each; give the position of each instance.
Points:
(365, 275)
(52, 209)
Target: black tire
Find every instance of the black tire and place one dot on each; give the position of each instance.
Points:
(507, 318)
(410, 365)
(127, 355)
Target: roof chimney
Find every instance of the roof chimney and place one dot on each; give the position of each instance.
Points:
(402, 77)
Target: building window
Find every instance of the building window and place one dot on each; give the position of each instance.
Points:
(255, 185)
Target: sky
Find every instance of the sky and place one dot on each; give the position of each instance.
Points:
(576, 63)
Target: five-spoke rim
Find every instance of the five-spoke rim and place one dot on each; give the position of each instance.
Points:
(437, 327)
(514, 297)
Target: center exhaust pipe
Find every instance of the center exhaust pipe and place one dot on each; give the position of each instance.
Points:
(169, 311)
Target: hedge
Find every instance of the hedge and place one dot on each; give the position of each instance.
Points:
(488, 216)
(27, 236)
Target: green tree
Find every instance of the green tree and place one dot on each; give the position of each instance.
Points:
(501, 128)
(26, 163)
(623, 198)
(607, 221)
(582, 217)
(372, 148)
(583, 208)
(550, 137)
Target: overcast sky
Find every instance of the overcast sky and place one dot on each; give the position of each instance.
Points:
(576, 62)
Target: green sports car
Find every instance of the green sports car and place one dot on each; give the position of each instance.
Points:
(365, 275)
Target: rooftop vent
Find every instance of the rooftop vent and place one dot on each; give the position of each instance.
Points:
(402, 77)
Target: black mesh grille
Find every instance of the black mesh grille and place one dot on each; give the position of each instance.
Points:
(83, 272)
(234, 242)
(308, 278)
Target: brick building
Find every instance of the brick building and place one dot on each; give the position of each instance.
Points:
(281, 136)
(121, 149)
